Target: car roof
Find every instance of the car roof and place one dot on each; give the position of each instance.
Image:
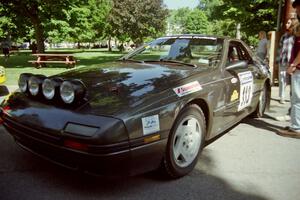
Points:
(196, 36)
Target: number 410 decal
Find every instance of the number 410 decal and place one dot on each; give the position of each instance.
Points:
(246, 89)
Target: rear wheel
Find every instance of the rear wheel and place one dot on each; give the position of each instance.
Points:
(185, 142)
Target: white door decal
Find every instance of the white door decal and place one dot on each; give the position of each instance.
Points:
(246, 89)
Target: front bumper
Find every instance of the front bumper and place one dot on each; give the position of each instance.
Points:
(119, 159)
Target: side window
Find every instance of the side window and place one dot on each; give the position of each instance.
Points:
(243, 53)
(237, 52)
(233, 54)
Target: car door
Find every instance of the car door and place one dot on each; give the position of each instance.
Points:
(240, 81)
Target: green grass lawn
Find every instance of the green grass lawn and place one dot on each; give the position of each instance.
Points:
(18, 62)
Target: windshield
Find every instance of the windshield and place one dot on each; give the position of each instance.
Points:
(196, 51)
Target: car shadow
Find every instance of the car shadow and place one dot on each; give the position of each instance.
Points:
(262, 124)
(30, 177)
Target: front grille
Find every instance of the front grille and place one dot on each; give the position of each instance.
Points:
(20, 130)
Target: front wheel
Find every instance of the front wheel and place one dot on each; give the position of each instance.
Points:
(185, 142)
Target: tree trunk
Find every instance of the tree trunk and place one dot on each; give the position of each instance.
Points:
(39, 36)
(33, 13)
(109, 44)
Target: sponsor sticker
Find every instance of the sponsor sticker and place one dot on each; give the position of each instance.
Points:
(150, 124)
(234, 80)
(188, 89)
(234, 96)
(246, 89)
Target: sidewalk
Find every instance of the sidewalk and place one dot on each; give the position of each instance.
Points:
(254, 159)
(277, 109)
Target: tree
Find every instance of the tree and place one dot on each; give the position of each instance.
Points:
(208, 7)
(196, 22)
(99, 13)
(177, 20)
(253, 16)
(39, 13)
(137, 19)
(226, 27)
(10, 26)
(81, 28)
(188, 21)
(88, 22)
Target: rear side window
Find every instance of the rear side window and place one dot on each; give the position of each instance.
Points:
(237, 52)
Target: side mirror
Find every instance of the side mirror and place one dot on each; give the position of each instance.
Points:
(237, 65)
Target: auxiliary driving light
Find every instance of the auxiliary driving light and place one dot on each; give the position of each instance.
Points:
(72, 90)
(35, 84)
(51, 87)
(23, 82)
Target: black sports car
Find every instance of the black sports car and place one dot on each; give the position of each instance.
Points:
(155, 107)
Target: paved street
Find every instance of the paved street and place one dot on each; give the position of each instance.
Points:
(249, 162)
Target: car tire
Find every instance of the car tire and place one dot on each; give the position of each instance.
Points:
(262, 103)
(185, 142)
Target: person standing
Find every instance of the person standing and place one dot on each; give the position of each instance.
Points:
(294, 70)
(33, 48)
(262, 48)
(5, 48)
(286, 44)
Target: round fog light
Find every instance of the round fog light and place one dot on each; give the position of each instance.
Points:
(23, 82)
(72, 91)
(51, 87)
(67, 92)
(48, 89)
(35, 83)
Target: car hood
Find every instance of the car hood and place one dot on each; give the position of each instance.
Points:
(119, 86)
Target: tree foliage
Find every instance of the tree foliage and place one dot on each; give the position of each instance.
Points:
(55, 20)
(196, 22)
(37, 14)
(188, 21)
(87, 22)
(137, 19)
(253, 16)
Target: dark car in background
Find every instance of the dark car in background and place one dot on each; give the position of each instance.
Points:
(155, 107)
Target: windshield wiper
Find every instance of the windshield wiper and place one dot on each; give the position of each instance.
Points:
(131, 60)
(172, 61)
